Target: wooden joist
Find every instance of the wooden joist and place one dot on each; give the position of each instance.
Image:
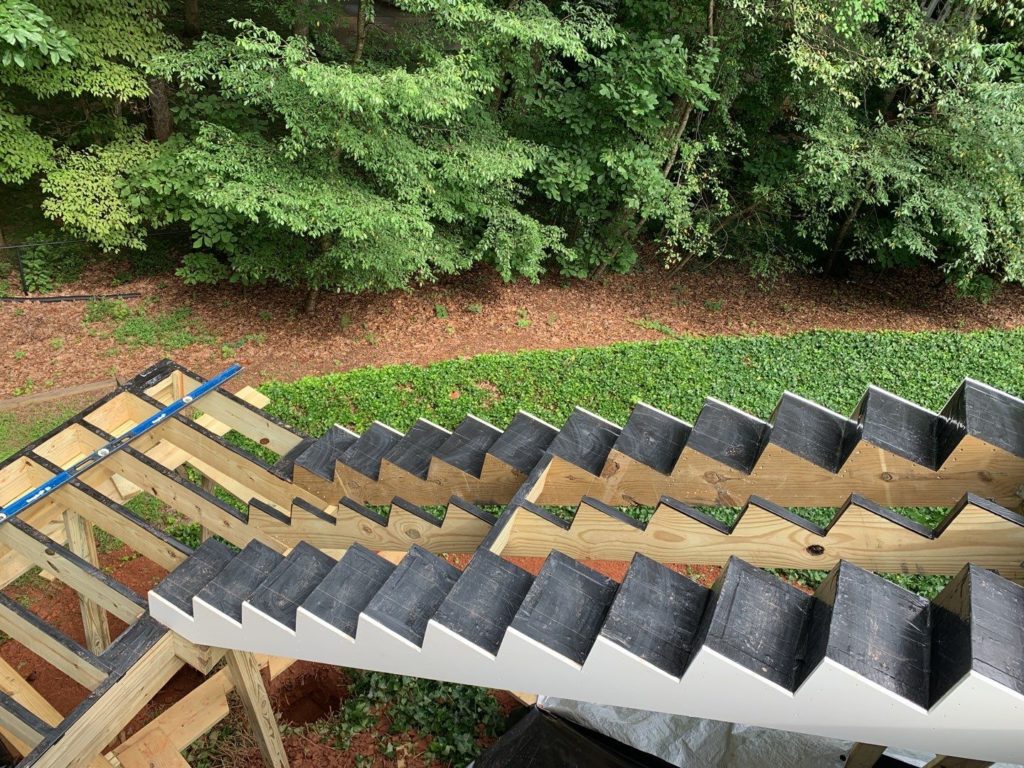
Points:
(23, 724)
(51, 645)
(246, 419)
(79, 574)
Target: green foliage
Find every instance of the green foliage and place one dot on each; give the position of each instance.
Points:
(46, 265)
(23, 152)
(138, 327)
(528, 135)
(912, 136)
(51, 50)
(832, 368)
(451, 717)
(29, 38)
(87, 193)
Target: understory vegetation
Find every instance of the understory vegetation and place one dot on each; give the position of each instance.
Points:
(335, 147)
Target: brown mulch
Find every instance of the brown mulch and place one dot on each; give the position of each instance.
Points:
(50, 346)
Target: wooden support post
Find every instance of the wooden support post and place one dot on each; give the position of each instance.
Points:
(863, 755)
(207, 485)
(245, 673)
(186, 720)
(956, 762)
(82, 542)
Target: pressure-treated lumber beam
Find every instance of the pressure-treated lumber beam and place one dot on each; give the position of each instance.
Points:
(116, 520)
(956, 762)
(242, 474)
(189, 718)
(179, 494)
(245, 673)
(100, 719)
(248, 420)
(79, 574)
(863, 755)
(14, 685)
(153, 755)
(337, 528)
(26, 728)
(50, 644)
(82, 542)
(765, 534)
(773, 537)
(124, 410)
(890, 449)
(14, 564)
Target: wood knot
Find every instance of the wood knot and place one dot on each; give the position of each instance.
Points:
(816, 550)
(887, 477)
(712, 477)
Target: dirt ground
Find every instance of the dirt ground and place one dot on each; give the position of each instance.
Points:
(46, 346)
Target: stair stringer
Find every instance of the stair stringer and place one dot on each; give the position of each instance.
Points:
(336, 528)
(977, 717)
(770, 536)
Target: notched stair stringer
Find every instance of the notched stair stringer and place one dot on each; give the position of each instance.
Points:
(752, 649)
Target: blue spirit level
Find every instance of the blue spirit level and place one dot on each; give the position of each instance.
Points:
(94, 458)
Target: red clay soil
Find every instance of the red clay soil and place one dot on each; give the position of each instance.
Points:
(57, 604)
(49, 346)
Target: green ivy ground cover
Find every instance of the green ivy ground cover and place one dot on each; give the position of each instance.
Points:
(750, 372)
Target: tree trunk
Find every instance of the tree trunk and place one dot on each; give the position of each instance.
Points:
(300, 26)
(160, 109)
(684, 109)
(364, 19)
(311, 298)
(192, 19)
(844, 231)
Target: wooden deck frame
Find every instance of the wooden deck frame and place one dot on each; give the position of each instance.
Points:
(282, 513)
(56, 534)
